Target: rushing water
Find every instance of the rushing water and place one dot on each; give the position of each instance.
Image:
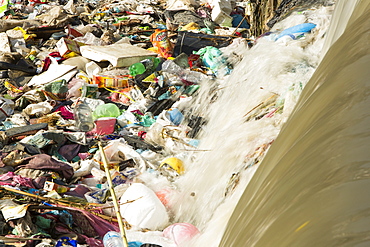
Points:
(302, 103)
(312, 187)
(245, 112)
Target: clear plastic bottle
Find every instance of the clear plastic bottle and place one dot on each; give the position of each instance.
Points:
(112, 239)
(170, 66)
(83, 117)
(192, 76)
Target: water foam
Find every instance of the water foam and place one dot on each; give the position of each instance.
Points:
(269, 77)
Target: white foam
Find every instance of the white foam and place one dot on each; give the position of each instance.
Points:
(267, 69)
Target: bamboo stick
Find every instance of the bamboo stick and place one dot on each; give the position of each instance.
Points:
(59, 202)
(240, 23)
(113, 194)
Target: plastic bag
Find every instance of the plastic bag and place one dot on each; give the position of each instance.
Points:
(211, 57)
(296, 31)
(175, 116)
(38, 110)
(86, 167)
(89, 39)
(58, 88)
(97, 196)
(6, 107)
(180, 4)
(90, 91)
(180, 232)
(106, 110)
(66, 241)
(117, 151)
(146, 210)
(188, 42)
(74, 88)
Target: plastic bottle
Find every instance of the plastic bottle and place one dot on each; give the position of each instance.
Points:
(170, 66)
(112, 239)
(149, 64)
(83, 117)
(137, 69)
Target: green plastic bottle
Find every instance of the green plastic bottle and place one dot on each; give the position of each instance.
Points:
(149, 64)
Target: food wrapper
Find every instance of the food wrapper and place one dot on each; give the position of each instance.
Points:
(161, 43)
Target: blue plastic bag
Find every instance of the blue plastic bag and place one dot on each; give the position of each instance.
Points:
(135, 244)
(66, 241)
(211, 57)
(296, 31)
(175, 116)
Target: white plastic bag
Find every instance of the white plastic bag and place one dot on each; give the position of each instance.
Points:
(89, 39)
(117, 149)
(85, 168)
(180, 4)
(146, 211)
(38, 109)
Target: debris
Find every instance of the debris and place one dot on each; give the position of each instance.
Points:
(119, 55)
(99, 114)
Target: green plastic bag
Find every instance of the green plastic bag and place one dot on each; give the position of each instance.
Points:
(106, 110)
(57, 87)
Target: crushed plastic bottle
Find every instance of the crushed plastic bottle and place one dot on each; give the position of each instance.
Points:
(112, 239)
(83, 117)
(170, 66)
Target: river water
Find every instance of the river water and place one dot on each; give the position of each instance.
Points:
(283, 157)
(312, 187)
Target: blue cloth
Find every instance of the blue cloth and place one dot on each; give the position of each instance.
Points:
(237, 19)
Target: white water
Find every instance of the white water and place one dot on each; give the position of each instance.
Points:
(274, 71)
(269, 68)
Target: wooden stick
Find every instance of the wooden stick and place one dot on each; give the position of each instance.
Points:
(41, 198)
(122, 203)
(15, 239)
(59, 202)
(113, 194)
(239, 25)
(263, 102)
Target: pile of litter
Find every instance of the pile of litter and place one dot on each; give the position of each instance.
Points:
(97, 114)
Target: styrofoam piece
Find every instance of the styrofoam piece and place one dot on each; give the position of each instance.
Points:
(92, 69)
(119, 55)
(221, 17)
(55, 72)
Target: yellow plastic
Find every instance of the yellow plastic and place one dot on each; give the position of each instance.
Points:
(26, 36)
(175, 164)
